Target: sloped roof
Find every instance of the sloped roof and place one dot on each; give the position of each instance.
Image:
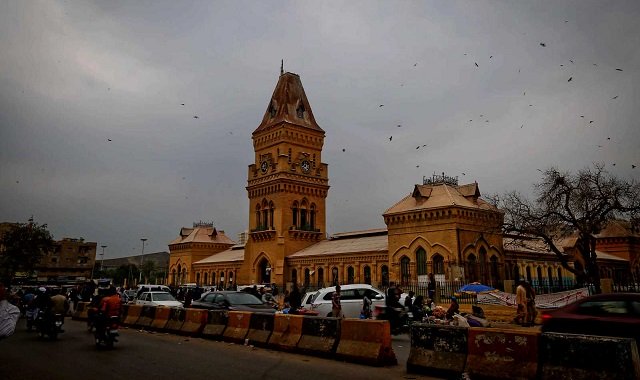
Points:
(347, 243)
(235, 253)
(288, 97)
(202, 235)
(617, 228)
(440, 195)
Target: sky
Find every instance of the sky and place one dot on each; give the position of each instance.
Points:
(95, 143)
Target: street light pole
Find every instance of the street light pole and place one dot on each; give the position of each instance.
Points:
(102, 257)
(141, 259)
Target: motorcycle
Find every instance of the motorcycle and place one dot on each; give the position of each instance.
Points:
(397, 317)
(106, 333)
(48, 324)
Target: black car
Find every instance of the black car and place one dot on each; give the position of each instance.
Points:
(234, 301)
(613, 314)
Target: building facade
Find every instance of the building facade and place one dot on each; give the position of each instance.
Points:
(441, 227)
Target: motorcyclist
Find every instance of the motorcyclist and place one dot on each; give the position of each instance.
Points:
(43, 301)
(393, 305)
(94, 307)
(59, 303)
(109, 307)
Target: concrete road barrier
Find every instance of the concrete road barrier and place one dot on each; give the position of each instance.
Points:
(194, 321)
(260, 328)
(216, 324)
(287, 331)
(320, 335)
(161, 317)
(578, 357)
(147, 315)
(133, 313)
(502, 353)
(237, 326)
(176, 319)
(438, 350)
(366, 341)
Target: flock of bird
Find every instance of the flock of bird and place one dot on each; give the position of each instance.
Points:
(570, 79)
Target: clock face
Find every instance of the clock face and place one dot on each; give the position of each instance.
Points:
(305, 166)
(264, 166)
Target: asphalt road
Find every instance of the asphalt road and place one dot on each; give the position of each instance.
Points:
(141, 354)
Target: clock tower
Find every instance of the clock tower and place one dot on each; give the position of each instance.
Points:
(287, 184)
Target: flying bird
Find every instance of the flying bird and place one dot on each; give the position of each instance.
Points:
(390, 138)
(543, 44)
(571, 61)
(615, 97)
(539, 170)
(464, 174)
(608, 138)
(399, 125)
(476, 64)
(418, 147)
(196, 117)
(417, 166)
(614, 164)
(344, 150)
(570, 79)
(424, 145)
(633, 166)
(582, 116)
(415, 64)
(490, 56)
(381, 105)
(521, 126)
(524, 93)
(595, 64)
(618, 69)
(590, 121)
(471, 120)
(182, 104)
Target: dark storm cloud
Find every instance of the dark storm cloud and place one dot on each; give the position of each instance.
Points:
(94, 139)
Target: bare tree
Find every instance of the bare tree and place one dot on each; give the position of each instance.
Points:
(568, 204)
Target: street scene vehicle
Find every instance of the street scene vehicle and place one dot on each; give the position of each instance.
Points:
(49, 325)
(158, 299)
(351, 299)
(612, 314)
(106, 333)
(230, 300)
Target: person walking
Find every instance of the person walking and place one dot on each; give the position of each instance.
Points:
(366, 308)
(531, 313)
(295, 299)
(336, 307)
(521, 303)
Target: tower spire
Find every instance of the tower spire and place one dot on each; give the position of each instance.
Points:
(281, 66)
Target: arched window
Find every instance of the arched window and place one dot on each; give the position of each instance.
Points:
(539, 273)
(320, 277)
(307, 277)
(438, 264)
(495, 273)
(213, 278)
(230, 278)
(559, 276)
(367, 274)
(421, 261)
(312, 217)
(549, 276)
(483, 265)
(206, 279)
(528, 269)
(294, 211)
(272, 208)
(258, 218)
(304, 222)
(405, 270)
(472, 268)
(174, 277)
(384, 275)
(198, 278)
(294, 276)
(265, 215)
(334, 276)
(351, 276)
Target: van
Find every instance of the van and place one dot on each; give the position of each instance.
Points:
(151, 288)
(351, 298)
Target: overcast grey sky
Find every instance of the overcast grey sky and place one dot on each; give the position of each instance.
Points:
(76, 74)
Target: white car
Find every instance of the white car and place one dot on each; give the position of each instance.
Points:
(158, 299)
(351, 298)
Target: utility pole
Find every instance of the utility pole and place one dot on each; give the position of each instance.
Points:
(102, 257)
(141, 259)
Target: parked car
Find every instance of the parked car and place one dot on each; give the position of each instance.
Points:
(351, 298)
(614, 314)
(158, 299)
(231, 300)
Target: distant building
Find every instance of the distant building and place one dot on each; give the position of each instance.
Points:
(159, 259)
(71, 260)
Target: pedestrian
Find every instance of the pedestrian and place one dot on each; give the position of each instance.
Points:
(530, 316)
(188, 296)
(295, 299)
(431, 286)
(274, 289)
(366, 308)
(408, 301)
(454, 308)
(521, 302)
(336, 307)
(9, 314)
(417, 309)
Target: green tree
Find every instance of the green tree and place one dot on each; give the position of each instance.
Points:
(147, 269)
(572, 204)
(21, 248)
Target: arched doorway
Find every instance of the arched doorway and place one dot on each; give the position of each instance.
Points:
(294, 276)
(307, 277)
(472, 268)
(320, 277)
(264, 271)
(367, 274)
(438, 264)
(334, 276)
(351, 276)
(405, 270)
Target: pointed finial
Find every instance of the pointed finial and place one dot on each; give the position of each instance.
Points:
(282, 67)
